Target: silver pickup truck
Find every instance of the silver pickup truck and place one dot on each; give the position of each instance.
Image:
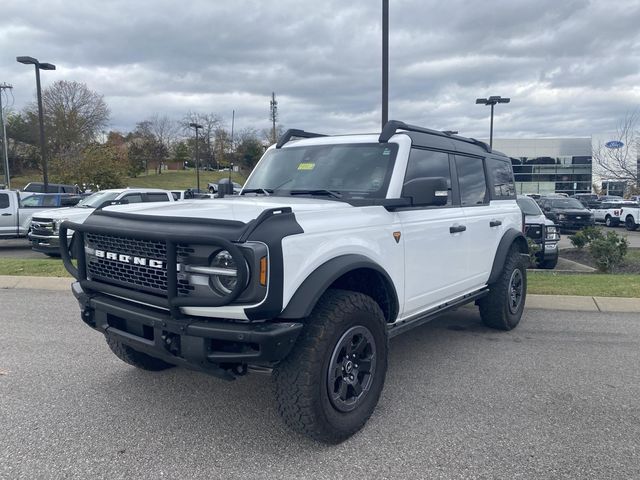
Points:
(17, 208)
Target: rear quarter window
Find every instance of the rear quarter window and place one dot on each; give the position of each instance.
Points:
(4, 200)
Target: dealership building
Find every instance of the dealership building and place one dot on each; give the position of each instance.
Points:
(558, 165)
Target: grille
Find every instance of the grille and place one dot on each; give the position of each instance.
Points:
(42, 226)
(141, 277)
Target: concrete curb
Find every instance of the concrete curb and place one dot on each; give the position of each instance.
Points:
(541, 302)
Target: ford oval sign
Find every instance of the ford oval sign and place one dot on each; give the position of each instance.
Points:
(614, 144)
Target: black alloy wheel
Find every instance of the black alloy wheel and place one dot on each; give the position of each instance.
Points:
(351, 369)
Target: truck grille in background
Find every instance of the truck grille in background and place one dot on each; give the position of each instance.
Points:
(42, 226)
(140, 277)
(534, 232)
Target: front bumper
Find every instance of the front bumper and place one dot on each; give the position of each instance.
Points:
(575, 224)
(214, 346)
(45, 244)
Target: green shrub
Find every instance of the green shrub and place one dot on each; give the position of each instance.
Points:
(578, 240)
(608, 251)
(534, 248)
(585, 237)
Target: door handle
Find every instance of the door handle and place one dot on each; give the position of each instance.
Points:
(495, 223)
(457, 228)
(6, 214)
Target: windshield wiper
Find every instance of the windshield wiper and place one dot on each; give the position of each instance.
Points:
(321, 191)
(265, 191)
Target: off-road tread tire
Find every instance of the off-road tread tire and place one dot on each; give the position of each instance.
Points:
(300, 379)
(494, 310)
(135, 358)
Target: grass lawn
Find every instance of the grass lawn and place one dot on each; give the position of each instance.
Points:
(170, 180)
(46, 267)
(599, 285)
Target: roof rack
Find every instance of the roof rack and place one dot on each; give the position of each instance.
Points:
(392, 126)
(289, 134)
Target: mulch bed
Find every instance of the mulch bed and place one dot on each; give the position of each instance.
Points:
(584, 257)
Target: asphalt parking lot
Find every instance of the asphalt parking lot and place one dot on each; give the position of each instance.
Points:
(556, 398)
(18, 248)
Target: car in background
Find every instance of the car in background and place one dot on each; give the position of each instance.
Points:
(542, 231)
(45, 226)
(611, 213)
(635, 198)
(589, 200)
(38, 187)
(609, 198)
(17, 208)
(213, 187)
(566, 213)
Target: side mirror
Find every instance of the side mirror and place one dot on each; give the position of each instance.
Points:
(427, 191)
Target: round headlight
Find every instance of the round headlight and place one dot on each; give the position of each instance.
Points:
(226, 278)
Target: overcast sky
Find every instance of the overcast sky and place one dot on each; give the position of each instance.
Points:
(571, 67)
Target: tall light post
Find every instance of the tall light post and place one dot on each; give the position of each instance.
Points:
(385, 62)
(492, 101)
(43, 145)
(197, 126)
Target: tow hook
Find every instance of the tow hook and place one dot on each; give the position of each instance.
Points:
(171, 342)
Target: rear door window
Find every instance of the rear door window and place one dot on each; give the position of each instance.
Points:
(471, 181)
(157, 197)
(4, 200)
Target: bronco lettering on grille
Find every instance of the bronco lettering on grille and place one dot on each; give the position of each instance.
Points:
(119, 257)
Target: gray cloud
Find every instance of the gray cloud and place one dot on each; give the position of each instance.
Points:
(571, 67)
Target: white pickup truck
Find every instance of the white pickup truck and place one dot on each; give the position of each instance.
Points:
(17, 208)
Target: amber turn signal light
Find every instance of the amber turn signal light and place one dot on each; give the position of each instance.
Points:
(263, 271)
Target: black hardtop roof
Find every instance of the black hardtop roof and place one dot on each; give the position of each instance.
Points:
(422, 137)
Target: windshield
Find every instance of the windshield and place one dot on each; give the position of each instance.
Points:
(567, 203)
(97, 199)
(346, 170)
(529, 206)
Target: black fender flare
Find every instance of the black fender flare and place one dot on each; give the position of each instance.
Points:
(313, 287)
(511, 237)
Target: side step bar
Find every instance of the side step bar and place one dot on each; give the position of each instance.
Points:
(402, 326)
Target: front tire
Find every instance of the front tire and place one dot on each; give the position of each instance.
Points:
(502, 308)
(608, 221)
(136, 358)
(329, 385)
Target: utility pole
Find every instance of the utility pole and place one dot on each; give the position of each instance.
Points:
(274, 116)
(3, 87)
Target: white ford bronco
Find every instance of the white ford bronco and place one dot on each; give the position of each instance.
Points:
(336, 244)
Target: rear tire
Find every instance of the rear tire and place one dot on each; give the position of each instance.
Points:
(502, 308)
(136, 358)
(630, 224)
(329, 385)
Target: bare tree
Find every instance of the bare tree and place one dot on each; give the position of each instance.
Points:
(211, 124)
(619, 160)
(165, 129)
(74, 115)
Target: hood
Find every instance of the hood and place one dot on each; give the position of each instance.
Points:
(71, 213)
(243, 209)
(536, 219)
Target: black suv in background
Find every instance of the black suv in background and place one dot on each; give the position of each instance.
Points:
(567, 213)
(588, 200)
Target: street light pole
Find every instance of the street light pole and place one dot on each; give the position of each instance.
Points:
(385, 62)
(492, 101)
(43, 144)
(197, 126)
